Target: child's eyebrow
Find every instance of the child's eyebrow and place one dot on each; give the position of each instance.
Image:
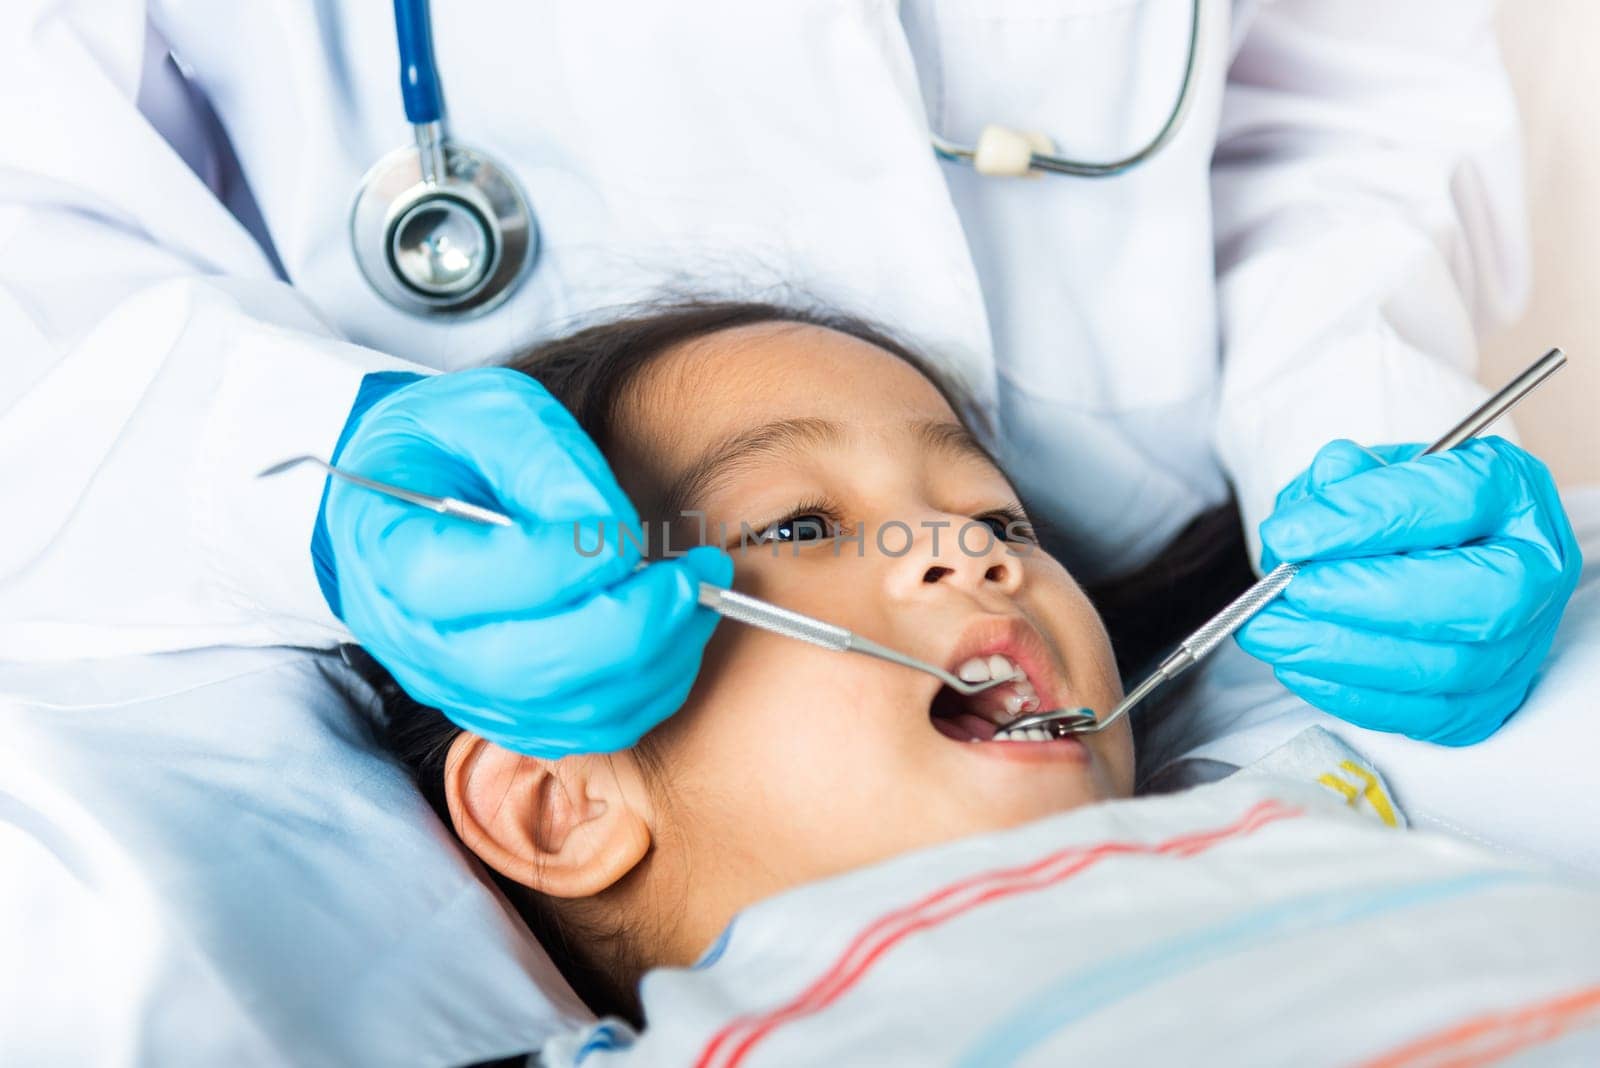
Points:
(955, 440)
(789, 438)
(745, 449)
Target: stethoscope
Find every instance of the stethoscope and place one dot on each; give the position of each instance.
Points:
(441, 229)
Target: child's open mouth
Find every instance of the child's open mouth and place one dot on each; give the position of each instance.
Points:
(976, 717)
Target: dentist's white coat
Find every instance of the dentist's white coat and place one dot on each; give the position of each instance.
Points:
(1307, 260)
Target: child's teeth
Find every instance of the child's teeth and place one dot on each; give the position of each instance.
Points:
(974, 670)
(1000, 667)
(1016, 703)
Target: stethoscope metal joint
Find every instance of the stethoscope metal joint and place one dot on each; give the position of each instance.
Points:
(438, 228)
(1002, 152)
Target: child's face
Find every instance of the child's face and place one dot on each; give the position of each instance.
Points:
(790, 763)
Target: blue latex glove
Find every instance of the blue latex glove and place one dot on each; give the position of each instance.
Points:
(510, 631)
(1434, 587)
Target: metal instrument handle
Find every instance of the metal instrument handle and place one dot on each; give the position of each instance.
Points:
(1238, 611)
(774, 618)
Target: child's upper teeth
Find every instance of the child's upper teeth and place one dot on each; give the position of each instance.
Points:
(1006, 703)
(1000, 667)
(974, 670)
(985, 668)
(1021, 700)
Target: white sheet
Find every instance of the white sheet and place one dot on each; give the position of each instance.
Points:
(1528, 791)
(1222, 926)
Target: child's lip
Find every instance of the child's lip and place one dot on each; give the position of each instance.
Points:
(1018, 640)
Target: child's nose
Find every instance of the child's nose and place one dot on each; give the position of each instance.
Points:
(968, 556)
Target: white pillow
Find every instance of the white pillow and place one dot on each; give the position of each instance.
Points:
(203, 861)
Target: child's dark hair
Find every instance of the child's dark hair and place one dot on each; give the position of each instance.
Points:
(589, 372)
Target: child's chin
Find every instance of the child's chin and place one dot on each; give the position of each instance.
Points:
(1026, 806)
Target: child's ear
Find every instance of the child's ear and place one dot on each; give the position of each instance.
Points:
(568, 828)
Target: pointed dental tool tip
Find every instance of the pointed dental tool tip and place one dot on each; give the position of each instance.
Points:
(443, 505)
(1139, 693)
(284, 465)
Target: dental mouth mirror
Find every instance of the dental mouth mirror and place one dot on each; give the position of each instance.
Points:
(1194, 648)
(751, 611)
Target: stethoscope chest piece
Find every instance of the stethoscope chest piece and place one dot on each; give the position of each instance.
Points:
(452, 243)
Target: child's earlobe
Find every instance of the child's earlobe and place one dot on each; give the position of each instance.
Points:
(560, 827)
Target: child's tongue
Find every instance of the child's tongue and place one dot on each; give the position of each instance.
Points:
(964, 726)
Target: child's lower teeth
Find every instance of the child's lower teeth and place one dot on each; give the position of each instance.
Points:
(1030, 734)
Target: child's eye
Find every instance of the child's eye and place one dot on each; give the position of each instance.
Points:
(804, 526)
(1008, 525)
(997, 526)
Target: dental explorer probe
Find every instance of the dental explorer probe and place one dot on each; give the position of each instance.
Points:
(1191, 650)
(741, 607)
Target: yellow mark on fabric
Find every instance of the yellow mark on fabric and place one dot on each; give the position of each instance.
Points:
(1368, 789)
(1333, 782)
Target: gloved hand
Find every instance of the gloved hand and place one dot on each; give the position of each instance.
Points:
(1433, 589)
(510, 631)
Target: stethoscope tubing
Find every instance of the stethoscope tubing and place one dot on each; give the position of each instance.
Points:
(419, 72)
